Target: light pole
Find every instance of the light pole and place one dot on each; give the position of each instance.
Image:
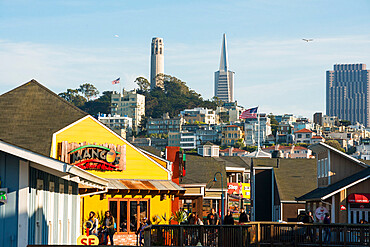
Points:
(222, 196)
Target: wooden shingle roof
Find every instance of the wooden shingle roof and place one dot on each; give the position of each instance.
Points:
(31, 113)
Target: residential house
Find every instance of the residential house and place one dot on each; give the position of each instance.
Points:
(303, 136)
(251, 130)
(231, 134)
(231, 151)
(293, 152)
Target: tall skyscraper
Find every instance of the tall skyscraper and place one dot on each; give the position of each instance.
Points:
(224, 78)
(157, 62)
(348, 93)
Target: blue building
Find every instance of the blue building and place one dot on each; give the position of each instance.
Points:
(39, 198)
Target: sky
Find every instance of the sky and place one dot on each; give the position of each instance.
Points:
(63, 44)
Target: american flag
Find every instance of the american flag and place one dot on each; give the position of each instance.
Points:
(249, 113)
(116, 81)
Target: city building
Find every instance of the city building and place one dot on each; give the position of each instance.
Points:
(317, 118)
(342, 186)
(317, 139)
(231, 134)
(348, 94)
(208, 134)
(130, 104)
(251, 130)
(303, 136)
(156, 62)
(224, 78)
(330, 121)
(122, 125)
(200, 116)
(183, 139)
(363, 150)
(164, 125)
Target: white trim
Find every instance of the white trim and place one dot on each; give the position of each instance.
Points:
(328, 168)
(23, 202)
(112, 132)
(192, 194)
(281, 210)
(51, 164)
(238, 169)
(193, 185)
(345, 187)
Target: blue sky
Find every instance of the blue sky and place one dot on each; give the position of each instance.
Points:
(63, 44)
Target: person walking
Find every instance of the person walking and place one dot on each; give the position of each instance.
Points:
(213, 218)
(94, 224)
(327, 228)
(229, 219)
(243, 217)
(108, 228)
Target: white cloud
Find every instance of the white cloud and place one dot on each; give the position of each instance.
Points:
(279, 75)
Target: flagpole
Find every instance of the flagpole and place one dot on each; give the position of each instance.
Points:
(258, 131)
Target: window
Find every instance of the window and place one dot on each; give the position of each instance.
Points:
(307, 135)
(319, 168)
(128, 213)
(299, 135)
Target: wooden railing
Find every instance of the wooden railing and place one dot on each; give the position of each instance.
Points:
(259, 234)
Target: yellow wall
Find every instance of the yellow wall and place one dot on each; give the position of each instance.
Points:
(138, 166)
(157, 207)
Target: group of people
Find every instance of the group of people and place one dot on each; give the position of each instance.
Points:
(214, 219)
(106, 229)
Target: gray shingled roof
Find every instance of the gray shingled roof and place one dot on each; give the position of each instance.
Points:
(318, 193)
(31, 113)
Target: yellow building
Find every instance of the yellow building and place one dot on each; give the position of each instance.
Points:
(231, 134)
(139, 183)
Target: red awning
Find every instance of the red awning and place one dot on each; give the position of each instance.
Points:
(359, 198)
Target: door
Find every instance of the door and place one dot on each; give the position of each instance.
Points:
(39, 211)
(358, 214)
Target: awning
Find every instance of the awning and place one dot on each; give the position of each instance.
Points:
(154, 186)
(359, 198)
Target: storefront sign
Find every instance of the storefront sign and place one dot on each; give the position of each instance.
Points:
(320, 213)
(4, 195)
(87, 240)
(246, 190)
(107, 157)
(233, 188)
(243, 190)
(342, 207)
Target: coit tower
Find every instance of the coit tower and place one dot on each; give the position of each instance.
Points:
(157, 62)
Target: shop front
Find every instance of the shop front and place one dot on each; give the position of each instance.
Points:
(358, 207)
(139, 185)
(238, 197)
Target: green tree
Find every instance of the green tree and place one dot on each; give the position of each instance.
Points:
(335, 144)
(143, 84)
(274, 124)
(73, 97)
(88, 90)
(240, 144)
(250, 148)
(100, 105)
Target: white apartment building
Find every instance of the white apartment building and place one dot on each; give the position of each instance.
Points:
(183, 139)
(202, 115)
(117, 123)
(251, 130)
(130, 104)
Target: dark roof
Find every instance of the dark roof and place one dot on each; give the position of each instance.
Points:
(201, 170)
(321, 192)
(235, 161)
(294, 177)
(31, 113)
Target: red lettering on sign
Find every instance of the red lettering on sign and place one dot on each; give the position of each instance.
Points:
(84, 241)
